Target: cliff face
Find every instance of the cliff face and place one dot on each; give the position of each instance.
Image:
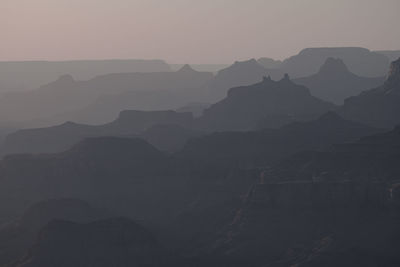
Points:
(313, 224)
(380, 106)
(393, 80)
(330, 237)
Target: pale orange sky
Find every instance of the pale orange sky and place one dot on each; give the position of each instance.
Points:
(186, 31)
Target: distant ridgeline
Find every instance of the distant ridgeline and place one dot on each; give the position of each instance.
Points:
(26, 75)
(100, 99)
(334, 82)
(268, 176)
(62, 137)
(360, 61)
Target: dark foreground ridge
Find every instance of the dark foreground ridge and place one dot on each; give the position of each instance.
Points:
(111, 242)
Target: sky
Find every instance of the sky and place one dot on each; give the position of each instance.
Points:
(187, 31)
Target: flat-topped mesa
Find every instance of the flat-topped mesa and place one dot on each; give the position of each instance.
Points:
(243, 67)
(246, 62)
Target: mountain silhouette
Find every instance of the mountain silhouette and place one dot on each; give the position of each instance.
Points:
(58, 101)
(269, 63)
(247, 106)
(124, 169)
(26, 75)
(371, 158)
(360, 61)
(270, 145)
(106, 107)
(380, 106)
(61, 137)
(138, 168)
(334, 82)
(19, 235)
(239, 74)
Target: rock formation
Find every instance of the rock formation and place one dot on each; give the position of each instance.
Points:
(244, 108)
(380, 106)
(360, 61)
(334, 82)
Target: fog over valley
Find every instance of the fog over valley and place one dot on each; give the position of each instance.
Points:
(199, 133)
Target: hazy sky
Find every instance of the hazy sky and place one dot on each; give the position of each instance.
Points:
(187, 31)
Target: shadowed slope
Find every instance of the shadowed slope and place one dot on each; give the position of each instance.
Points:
(379, 107)
(113, 242)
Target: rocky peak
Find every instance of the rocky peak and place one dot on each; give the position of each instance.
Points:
(62, 82)
(267, 79)
(333, 66)
(242, 72)
(269, 63)
(285, 79)
(186, 69)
